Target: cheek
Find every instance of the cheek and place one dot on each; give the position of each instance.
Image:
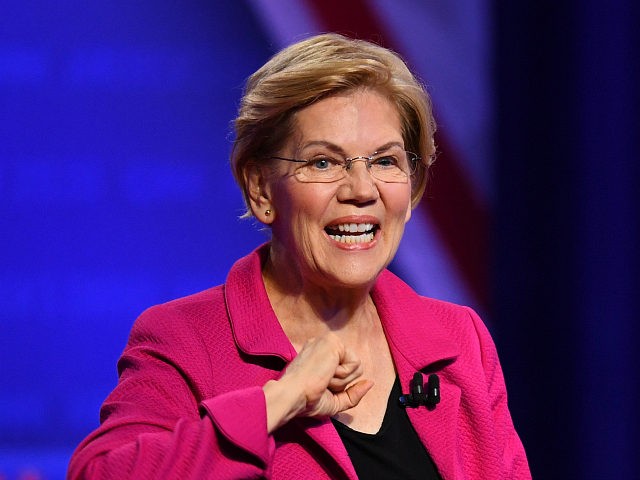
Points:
(399, 204)
(309, 200)
(300, 206)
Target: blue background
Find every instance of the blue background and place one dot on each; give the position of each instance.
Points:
(116, 195)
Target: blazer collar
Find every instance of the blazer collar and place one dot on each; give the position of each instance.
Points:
(414, 332)
(255, 327)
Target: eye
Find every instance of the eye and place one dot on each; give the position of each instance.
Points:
(386, 161)
(322, 163)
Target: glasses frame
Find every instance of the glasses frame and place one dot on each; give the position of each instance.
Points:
(412, 158)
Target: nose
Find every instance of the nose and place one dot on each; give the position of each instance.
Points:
(358, 186)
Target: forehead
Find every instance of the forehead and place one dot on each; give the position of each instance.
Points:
(358, 119)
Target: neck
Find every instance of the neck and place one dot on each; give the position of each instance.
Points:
(307, 310)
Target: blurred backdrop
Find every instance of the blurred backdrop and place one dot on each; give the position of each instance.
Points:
(117, 194)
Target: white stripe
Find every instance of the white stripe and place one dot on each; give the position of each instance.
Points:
(427, 266)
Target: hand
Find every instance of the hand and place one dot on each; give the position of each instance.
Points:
(323, 379)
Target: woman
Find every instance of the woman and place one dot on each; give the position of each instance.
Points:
(293, 368)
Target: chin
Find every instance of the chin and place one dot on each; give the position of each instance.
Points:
(357, 275)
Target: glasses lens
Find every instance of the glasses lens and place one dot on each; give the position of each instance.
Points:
(321, 169)
(395, 167)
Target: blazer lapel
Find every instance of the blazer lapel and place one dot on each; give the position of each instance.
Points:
(437, 428)
(420, 343)
(257, 331)
(325, 435)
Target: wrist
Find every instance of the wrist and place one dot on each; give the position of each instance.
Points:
(282, 403)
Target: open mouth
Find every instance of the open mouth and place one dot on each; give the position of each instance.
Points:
(352, 232)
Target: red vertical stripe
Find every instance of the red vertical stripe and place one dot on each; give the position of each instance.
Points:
(462, 220)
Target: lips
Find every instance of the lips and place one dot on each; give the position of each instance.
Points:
(350, 233)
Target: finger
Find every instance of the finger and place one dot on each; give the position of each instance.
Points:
(346, 374)
(349, 362)
(344, 370)
(339, 384)
(315, 360)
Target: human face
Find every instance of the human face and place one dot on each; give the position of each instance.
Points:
(307, 241)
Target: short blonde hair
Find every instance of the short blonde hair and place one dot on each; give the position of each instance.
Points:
(317, 68)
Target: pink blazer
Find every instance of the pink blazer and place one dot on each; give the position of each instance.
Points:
(189, 402)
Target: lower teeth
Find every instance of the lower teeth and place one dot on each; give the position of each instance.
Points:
(363, 238)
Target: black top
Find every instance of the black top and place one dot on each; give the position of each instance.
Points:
(394, 452)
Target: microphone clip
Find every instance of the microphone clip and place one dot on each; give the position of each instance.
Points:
(418, 397)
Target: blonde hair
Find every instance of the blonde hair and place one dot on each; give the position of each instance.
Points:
(316, 68)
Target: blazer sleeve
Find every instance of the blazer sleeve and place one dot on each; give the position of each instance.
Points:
(515, 465)
(158, 422)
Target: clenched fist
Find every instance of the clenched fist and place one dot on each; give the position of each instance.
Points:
(323, 379)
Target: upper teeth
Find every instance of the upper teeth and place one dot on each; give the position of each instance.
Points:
(354, 227)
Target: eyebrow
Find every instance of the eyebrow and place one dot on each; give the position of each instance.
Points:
(338, 150)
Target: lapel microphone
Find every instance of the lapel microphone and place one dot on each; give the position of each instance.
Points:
(418, 397)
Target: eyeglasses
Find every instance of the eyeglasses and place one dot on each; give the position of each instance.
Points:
(392, 166)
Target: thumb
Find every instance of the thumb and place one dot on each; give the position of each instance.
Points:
(350, 397)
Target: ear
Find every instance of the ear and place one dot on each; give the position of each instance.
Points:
(407, 217)
(410, 207)
(255, 178)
